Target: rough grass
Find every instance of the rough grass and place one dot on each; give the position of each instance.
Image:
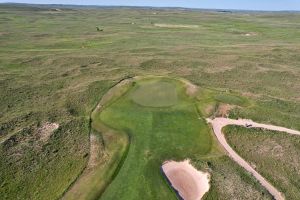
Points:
(231, 99)
(28, 163)
(274, 154)
(230, 181)
(55, 66)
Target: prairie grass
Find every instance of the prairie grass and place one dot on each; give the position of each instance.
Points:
(55, 67)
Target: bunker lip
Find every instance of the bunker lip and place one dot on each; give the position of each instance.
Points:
(188, 182)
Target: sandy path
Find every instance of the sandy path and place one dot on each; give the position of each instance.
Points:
(190, 183)
(219, 123)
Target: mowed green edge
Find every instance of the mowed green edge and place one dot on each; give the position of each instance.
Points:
(156, 135)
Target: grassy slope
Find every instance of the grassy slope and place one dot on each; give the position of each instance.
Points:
(275, 155)
(112, 147)
(54, 67)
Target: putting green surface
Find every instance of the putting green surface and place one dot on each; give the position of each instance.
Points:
(155, 94)
(163, 124)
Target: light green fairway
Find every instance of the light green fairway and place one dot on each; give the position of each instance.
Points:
(156, 135)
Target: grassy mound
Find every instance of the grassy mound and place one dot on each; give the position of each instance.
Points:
(155, 94)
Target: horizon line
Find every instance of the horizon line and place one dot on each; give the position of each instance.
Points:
(139, 6)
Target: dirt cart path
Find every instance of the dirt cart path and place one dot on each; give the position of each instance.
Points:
(219, 123)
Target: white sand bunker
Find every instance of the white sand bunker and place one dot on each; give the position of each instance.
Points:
(190, 183)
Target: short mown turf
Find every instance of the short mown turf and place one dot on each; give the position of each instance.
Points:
(155, 94)
(156, 135)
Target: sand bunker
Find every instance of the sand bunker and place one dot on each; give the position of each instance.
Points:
(190, 183)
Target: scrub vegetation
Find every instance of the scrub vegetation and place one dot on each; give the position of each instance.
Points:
(55, 67)
(273, 154)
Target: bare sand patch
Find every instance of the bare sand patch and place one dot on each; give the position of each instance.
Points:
(95, 151)
(184, 71)
(191, 89)
(176, 26)
(46, 130)
(190, 183)
(209, 110)
(3, 33)
(250, 34)
(224, 109)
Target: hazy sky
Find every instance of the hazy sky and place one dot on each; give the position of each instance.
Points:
(221, 4)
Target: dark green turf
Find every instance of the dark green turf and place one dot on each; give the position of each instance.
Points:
(156, 135)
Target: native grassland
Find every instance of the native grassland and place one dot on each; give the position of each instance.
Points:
(55, 67)
(273, 154)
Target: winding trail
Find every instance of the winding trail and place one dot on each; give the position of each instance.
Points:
(219, 123)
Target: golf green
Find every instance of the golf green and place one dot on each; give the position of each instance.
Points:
(155, 94)
(163, 124)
